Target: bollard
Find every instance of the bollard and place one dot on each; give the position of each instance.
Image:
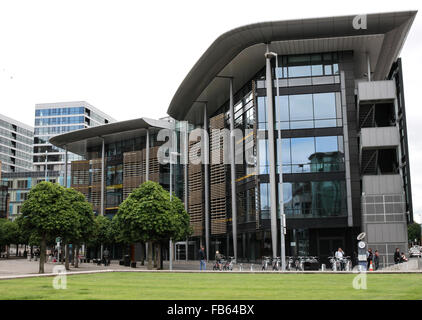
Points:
(323, 267)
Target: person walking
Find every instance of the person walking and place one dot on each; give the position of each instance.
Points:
(106, 254)
(376, 260)
(369, 258)
(397, 256)
(202, 258)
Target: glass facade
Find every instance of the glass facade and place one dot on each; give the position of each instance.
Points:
(315, 199)
(53, 119)
(307, 65)
(15, 146)
(302, 111)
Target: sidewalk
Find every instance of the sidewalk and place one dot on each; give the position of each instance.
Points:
(19, 268)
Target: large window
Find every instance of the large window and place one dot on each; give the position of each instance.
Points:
(262, 113)
(307, 65)
(265, 202)
(301, 111)
(310, 154)
(263, 157)
(315, 199)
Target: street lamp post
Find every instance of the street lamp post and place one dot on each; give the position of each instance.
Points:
(280, 196)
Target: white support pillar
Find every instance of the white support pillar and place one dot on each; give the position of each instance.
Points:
(102, 188)
(185, 151)
(368, 62)
(233, 171)
(271, 149)
(65, 167)
(206, 182)
(147, 157)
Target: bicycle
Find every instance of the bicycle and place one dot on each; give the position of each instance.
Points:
(265, 262)
(228, 265)
(277, 264)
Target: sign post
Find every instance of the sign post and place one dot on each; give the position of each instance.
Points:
(362, 251)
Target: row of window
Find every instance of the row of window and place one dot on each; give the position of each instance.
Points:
(14, 161)
(8, 125)
(59, 111)
(60, 120)
(11, 152)
(17, 137)
(302, 111)
(301, 155)
(57, 130)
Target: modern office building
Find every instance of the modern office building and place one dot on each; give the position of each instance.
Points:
(16, 141)
(3, 197)
(125, 154)
(19, 184)
(52, 119)
(319, 104)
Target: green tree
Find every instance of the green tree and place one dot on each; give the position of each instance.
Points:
(85, 224)
(147, 215)
(414, 232)
(9, 233)
(48, 213)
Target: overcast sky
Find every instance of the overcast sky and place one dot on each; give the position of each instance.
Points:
(128, 58)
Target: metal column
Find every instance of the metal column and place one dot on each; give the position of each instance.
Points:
(45, 166)
(280, 182)
(206, 181)
(102, 188)
(271, 149)
(65, 167)
(185, 151)
(147, 157)
(233, 171)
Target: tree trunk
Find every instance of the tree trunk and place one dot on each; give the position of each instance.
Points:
(149, 255)
(42, 254)
(17, 250)
(7, 251)
(159, 257)
(66, 263)
(76, 255)
(155, 255)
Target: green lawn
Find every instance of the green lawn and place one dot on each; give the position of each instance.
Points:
(180, 286)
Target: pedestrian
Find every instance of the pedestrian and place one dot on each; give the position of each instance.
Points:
(397, 256)
(369, 258)
(106, 254)
(376, 260)
(202, 258)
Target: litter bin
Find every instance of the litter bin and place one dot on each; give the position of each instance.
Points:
(127, 260)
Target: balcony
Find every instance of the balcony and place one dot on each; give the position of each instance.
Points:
(376, 91)
(384, 137)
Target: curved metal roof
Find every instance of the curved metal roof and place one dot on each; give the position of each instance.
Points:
(79, 140)
(239, 53)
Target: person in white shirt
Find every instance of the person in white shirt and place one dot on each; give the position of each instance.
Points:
(339, 256)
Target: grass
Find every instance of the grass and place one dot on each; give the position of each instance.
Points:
(182, 286)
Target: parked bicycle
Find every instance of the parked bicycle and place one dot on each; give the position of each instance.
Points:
(277, 264)
(228, 264)
(266, 261)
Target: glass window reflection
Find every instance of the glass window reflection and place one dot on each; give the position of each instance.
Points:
(315, 199)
